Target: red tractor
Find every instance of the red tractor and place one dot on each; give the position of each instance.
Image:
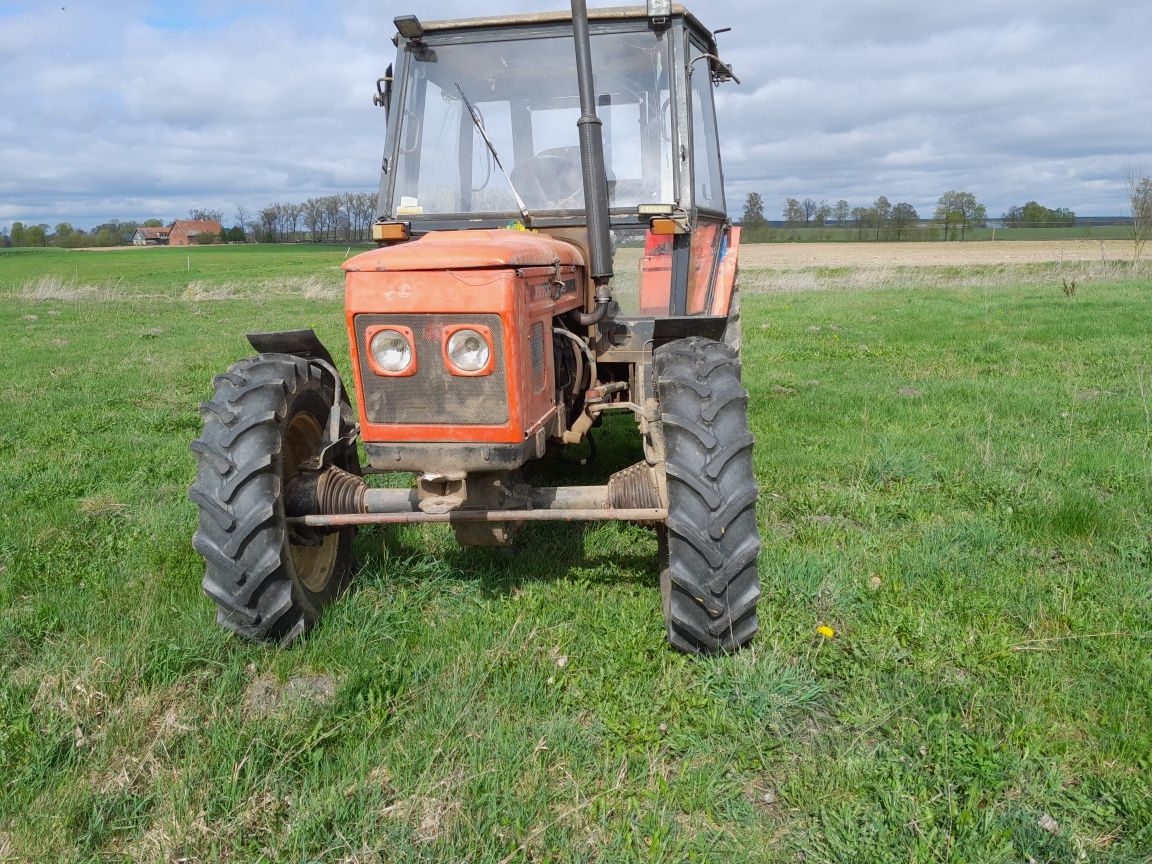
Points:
(553, 247)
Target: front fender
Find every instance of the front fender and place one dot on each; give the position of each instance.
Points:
(302, 343)
(726, 274)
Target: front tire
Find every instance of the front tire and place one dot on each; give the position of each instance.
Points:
(265, 420)
(709, 581)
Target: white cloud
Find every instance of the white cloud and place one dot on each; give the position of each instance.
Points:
(134, 109)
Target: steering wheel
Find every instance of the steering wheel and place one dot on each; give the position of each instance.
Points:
(550, 180)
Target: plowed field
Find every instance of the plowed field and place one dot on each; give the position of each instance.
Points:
(800, 255)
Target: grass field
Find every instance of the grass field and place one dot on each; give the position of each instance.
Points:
(956, 476)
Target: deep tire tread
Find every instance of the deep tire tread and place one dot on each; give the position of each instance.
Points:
(697, 484)
(240, 476)
(213, 456)
(246, 425)
(242, 535)
(719, 460)
(712, 540)
(223, 515)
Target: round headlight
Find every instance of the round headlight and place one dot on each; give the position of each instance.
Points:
(468, 350)
(391, 350)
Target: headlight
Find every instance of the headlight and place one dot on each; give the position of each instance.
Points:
(469, 351)
(392, 351)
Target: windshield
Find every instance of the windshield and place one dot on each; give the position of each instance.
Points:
(524, 95)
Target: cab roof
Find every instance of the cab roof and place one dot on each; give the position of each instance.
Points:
(610, 13)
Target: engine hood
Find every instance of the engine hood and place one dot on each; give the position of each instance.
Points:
(469, 250)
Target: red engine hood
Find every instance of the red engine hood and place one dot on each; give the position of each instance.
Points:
(466, 250)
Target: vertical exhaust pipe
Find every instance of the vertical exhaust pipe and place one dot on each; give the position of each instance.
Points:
(592, 166)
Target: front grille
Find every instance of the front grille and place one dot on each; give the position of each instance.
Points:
(539, 370)
(433, 396)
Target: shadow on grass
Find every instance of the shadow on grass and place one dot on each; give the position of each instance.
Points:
(540, 551)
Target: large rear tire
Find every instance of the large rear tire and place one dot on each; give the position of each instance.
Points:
(265, 420)
(709, 581)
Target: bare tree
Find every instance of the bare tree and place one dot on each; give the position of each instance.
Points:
(199, 214)
(1139, 188)
(278, 217)
(361, 207)
(242, 218)
(842, 211)
(882, 210)
(809, 205)
(291, 221)
(333, 209)
(268, 223)
(313, 214)
(793, 212)
(352, 209)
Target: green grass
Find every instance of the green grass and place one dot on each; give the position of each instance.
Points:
(956, 479)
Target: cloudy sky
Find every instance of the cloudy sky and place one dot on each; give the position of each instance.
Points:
(134, 109)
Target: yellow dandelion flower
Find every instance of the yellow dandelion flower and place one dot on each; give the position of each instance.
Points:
(826, 631)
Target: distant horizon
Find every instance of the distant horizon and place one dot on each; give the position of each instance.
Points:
(137, 109)
(734, 215)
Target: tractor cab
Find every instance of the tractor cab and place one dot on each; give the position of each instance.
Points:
(483, 133)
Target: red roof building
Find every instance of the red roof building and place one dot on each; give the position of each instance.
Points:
(183, 231)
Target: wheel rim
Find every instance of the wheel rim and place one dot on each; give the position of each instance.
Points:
(313, 565)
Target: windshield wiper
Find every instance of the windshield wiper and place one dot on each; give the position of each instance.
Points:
(476, 121)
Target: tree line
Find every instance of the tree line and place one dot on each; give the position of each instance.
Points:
(328, 218)
(64, 235)
(348, 218)
(1034, 215)
(956, 211)
(343, 218)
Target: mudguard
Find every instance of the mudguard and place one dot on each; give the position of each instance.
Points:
(726, 274)
(301, 343)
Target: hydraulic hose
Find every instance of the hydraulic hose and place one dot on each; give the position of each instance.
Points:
(589, 319)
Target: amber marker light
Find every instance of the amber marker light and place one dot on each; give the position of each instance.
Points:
(390, 232)
(665, 225)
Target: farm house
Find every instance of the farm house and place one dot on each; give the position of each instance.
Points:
(184, 231)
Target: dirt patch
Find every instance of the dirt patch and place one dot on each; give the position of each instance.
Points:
(429, 818)
(79, 701)
(789, 256)
(267, 694)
